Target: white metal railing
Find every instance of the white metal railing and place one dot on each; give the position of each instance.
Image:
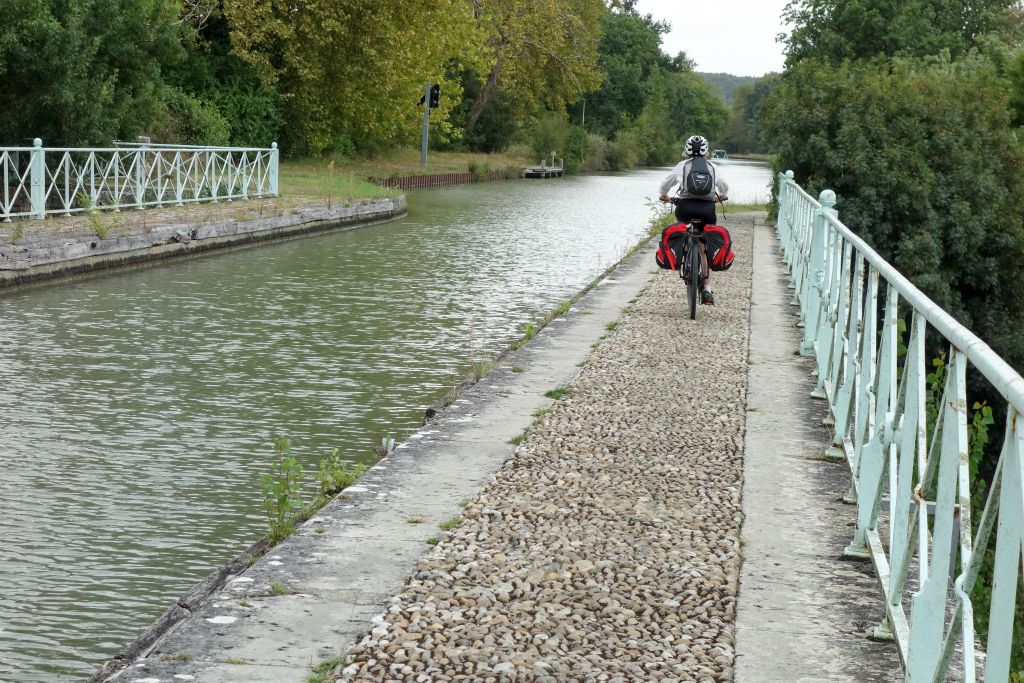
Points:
(36, 181)
(851, 304)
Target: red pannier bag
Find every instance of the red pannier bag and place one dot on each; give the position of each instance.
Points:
(670, 250)
(719, 247)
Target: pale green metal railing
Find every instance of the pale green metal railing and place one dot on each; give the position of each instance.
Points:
(37, 181)
(851, 302)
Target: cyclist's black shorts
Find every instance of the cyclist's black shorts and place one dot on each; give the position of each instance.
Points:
(701, 209)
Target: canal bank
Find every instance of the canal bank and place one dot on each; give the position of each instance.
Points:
(311, 596)
(45, 256)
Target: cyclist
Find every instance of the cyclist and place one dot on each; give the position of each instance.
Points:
(692, 205)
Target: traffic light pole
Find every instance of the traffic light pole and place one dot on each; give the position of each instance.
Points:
(426, 125)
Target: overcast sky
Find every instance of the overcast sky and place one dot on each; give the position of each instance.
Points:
(729, 36)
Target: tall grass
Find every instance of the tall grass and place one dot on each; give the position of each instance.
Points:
(327, 183)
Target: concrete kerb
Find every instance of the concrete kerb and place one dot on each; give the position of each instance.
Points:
(342, 565)
(61, 257)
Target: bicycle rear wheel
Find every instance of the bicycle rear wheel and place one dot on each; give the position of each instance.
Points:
(693, 279)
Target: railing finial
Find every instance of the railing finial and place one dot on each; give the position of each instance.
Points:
(790, 175)
(827, 198)
(38, 142)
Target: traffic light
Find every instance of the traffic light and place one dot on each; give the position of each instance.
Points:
(435, 95)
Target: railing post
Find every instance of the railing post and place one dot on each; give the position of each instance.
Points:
(211, 164)
(1007, 555)
(814, 283)
(829, 314)
(118, 188)
(179, 182)
(228, 169)
(782, 221)
(139, 193)
(37, 180)
(927, 611)
(246, 169)
(93, 195)
(274, 157)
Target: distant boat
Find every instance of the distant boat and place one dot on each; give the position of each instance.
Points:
(719, 154)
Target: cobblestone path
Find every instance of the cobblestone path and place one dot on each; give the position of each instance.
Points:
(607, 547)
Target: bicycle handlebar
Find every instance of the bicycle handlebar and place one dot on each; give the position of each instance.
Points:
(675, 200)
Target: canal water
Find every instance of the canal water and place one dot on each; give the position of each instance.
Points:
(137, 409)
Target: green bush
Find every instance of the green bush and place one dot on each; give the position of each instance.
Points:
(623, 152)
(548, 133)
(927, 169)
(596, 158)
(251, 110)
(191, 121)
(577, 148)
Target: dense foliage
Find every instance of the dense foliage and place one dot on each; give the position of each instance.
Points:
(935, 189)
(922, 149)
(86, 70)
(835, 30)
(745, 133)
(586, 78)
(726, 84)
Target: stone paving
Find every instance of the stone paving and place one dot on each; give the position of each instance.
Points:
(607, 547)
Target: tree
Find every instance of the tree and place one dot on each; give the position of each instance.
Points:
(542, 53)
(351, 72)
(695, 108)
(249, 107)
(927, 170)
(726, 84)
(744, 133)
(80, 72)
(629, 55)
(835, 30)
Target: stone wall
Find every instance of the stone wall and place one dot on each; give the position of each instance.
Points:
(48, 257)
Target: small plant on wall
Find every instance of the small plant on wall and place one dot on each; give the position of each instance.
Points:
(282, 491)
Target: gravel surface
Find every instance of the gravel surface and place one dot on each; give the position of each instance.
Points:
(607, 547)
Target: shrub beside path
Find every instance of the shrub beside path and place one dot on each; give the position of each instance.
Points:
(607, 547)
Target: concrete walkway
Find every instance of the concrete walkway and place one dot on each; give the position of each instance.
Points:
(606, 545)
(804, 612)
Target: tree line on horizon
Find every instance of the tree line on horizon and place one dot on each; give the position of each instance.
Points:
(587, 78)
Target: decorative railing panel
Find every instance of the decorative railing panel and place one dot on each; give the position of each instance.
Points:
(39, 181)
(910, 469)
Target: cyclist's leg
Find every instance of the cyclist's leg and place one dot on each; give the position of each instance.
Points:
(706, 295)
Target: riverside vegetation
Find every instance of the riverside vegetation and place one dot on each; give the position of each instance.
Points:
(341, 79)
(282, 488)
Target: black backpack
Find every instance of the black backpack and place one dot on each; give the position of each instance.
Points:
(700, 181)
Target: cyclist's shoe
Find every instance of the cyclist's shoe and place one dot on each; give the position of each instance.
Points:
(707, 297)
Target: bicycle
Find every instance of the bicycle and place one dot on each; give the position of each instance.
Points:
(694, 268)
